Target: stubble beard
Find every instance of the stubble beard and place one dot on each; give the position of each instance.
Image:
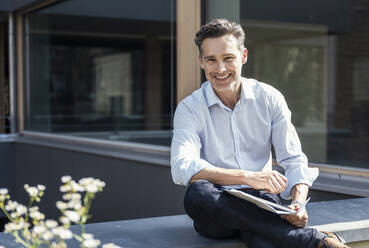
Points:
(230, 87)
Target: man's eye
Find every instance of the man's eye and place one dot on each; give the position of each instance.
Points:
(229, 58)
(211, 60)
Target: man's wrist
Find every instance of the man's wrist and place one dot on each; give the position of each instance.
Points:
(247, 177)
(299, 192)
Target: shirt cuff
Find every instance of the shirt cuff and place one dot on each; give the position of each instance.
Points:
(198, 165)
(299, 175)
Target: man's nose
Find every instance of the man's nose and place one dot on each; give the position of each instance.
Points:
(221, 67)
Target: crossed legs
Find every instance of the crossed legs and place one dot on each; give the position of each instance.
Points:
(217, 214)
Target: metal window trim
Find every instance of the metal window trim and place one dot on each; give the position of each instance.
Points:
(129, 146)
(20, 67)
(12, 74)
(150, 154)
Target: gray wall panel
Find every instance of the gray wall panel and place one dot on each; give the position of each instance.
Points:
(7, 166)
(133, 190)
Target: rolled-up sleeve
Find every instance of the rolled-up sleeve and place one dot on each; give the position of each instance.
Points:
(287, 146)
(185, 158)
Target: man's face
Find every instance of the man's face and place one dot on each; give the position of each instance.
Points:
(222, 61)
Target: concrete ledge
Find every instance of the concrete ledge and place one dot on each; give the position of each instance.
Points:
(350, 218)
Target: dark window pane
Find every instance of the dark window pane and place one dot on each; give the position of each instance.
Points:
(4, 80)
(102, 69)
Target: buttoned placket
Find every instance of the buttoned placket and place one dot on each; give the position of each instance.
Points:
(236, 136)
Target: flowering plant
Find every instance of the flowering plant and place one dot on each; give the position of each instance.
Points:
(28, 224)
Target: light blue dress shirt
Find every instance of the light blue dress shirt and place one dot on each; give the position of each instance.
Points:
(208, 133)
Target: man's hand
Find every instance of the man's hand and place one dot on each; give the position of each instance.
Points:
(299, 193)
(300, 219)
(271, 181)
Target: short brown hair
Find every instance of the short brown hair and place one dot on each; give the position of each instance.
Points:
(217, 28)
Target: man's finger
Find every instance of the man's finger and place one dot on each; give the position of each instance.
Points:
(271, 189)
(277, 174)
(281, 182)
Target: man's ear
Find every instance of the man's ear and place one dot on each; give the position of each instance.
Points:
(244, 56)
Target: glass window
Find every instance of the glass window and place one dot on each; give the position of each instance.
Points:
(102, 69)
(4, 79)
(317, 54)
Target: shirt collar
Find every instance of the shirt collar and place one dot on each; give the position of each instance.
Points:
(247, 92)
(247, 89)
(211, 97)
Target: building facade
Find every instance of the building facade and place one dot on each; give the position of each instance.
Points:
(89, 88)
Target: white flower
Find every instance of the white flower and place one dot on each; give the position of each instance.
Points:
(41, 187)
(48, 235)
(3, 191)
(67, 197)
(32, 191)
(64, 220)
(37, 215)
(11, 205)
(72, 215)
(65, 188)
(110, 245)
(65, 233)
(87, 236)
(92, 188)
(12, 226)
(61, 205)
(51, 223)
(91, 243)
(85, 181)
(91, 185)
(66, 179)
(9, 227)
(100, 183)
(75, 204)
(75, 196)
(76, 187)
(21, 210)
(39, 230)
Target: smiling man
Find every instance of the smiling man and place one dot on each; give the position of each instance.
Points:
(222, 138)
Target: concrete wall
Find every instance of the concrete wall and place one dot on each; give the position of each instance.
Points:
(133, 189)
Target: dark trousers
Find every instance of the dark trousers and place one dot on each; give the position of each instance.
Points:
(217, 214)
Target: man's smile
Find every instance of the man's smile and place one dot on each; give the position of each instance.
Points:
(222, 77)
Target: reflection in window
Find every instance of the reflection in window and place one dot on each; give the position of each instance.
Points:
(102, 69)
(316, 53)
